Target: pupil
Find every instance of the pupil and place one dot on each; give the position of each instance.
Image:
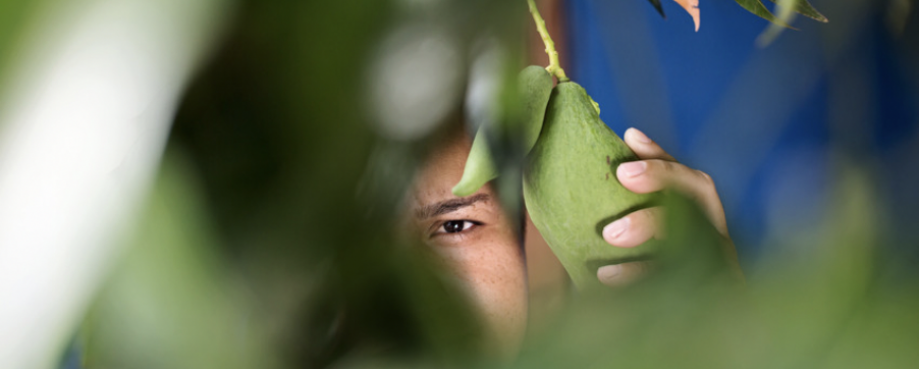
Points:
(453, 226)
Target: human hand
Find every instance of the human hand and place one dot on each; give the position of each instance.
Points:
(656, 171)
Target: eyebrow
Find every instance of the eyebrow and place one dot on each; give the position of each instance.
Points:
(448, 206)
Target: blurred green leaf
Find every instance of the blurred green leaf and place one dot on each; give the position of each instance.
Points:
(15, 17)
(806, 9)
(171, 302)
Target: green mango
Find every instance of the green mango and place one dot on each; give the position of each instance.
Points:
(534, 85)
(570, 186)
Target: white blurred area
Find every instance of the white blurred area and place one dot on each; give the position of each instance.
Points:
(415, 79)
(83, 120)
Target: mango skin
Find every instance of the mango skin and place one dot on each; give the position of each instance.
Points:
(534, 86)
(571, 190)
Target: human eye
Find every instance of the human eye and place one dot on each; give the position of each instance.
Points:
(456, 226)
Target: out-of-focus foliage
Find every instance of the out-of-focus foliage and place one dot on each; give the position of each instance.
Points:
(176, 301)
(14, 19)
(303, 178)
(87, 95)
(828, 304)
(172, 302)
(281, 250)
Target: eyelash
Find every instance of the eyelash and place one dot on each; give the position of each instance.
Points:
(440, 230)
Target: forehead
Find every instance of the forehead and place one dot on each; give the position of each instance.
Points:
(442, 169)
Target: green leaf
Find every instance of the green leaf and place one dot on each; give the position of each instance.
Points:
(15, 18)
(657, 5)
(757, 7)
(786, 13)
(807, 10)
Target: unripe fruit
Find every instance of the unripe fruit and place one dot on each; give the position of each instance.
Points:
(534, 85)
(570, 185)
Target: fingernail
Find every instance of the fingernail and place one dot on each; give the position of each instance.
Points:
(607, 274)
(633, 168)
(615, 229)
(640, 136)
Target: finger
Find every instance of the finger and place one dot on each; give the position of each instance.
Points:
(623, 274)
(636, 228)
(643, 146)
(646, 176)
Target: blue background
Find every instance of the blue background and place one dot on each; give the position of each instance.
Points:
(767, 123)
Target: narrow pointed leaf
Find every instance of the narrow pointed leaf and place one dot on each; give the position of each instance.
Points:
(757, 7)
(658, 7)
(785, 11)
(807, 10)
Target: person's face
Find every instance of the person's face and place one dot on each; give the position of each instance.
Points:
(475, 238)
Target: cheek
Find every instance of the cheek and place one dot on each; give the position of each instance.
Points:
(494, 275)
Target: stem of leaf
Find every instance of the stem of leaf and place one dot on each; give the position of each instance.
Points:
(554, 68)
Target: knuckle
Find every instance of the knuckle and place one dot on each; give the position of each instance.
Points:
(706, 179)
(653, 215)
(665, 166)
(703, 175)
(708, 192)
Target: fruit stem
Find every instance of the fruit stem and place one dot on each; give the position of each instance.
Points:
(554, 68)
